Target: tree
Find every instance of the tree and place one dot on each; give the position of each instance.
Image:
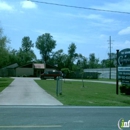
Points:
(93, 61)
(25, 54)
(4, 50)
(13, 56)
(45, 43)
(58, 58)
(27, 44)
(106, 62)
(72, 55)
(82, 61)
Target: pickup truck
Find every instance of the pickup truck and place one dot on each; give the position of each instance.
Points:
(51, 75)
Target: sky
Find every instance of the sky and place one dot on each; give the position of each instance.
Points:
(90, 30)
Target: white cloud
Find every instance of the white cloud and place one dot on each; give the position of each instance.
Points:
(124, 31)
(94, 17)
(127, 43)
(28, 4)
(99, 18)
(103, 36)
(91, 16)
(66, 38)
(123, 5)
(121, 45)
(5, 6)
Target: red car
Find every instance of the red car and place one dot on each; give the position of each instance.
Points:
(51, 75)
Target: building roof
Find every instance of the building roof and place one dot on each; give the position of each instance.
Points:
(12, 66)
(39, 66)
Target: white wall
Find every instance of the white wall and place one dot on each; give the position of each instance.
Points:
(105, 72)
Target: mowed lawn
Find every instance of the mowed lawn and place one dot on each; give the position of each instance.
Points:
(93, 94)
(5, 82)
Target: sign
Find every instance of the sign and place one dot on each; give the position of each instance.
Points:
(123, 124)
(124, 66)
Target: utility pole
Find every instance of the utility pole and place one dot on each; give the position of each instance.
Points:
(110, 57)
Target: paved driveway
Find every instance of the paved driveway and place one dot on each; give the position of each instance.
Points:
(24, 91)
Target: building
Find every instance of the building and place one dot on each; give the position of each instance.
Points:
(9, 70)
(27, 70)
(33, 69)
(104, 72)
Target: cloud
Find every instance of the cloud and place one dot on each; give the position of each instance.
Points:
(103, 36)
(28, 4)
(121, 45)
(123, 5)
(91, 16)
(66, 38)
(124, 31)
(94, 17)
(5, 6)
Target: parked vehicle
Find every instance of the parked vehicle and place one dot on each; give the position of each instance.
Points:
(51, 75)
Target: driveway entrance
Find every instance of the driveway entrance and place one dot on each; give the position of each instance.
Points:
(25, 91)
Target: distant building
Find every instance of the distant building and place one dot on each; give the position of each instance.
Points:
(9, 70)
(27, 70)
(33, 69)
(104, 72)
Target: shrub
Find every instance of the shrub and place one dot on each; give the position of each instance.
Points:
(125, 89)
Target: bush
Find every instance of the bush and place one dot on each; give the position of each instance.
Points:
(85, 75)
(91, 75)
(122, 89)
(65, 72)
(125, 89)
(24, 75)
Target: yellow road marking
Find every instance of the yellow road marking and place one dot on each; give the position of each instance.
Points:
(39, 126)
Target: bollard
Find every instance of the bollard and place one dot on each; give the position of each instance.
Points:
(57, 83)
(59, 86)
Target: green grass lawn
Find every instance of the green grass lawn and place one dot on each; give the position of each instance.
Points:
(4, 82)
(93, 94)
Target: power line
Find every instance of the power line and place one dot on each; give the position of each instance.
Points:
(72, 6)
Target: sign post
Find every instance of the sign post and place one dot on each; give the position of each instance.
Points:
(117, 83)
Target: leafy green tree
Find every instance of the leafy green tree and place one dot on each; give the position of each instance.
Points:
(58, 58)
(4, 49)
(72, 55)
(105, 63)
(25, 54)
(93, 61)
(65, 72)
(27, 44)
(13, 56)
(82, 61)
(45, 43)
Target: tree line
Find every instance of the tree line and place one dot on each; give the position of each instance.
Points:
(46, 44)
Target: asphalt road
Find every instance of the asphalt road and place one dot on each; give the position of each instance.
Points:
(61, 117)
